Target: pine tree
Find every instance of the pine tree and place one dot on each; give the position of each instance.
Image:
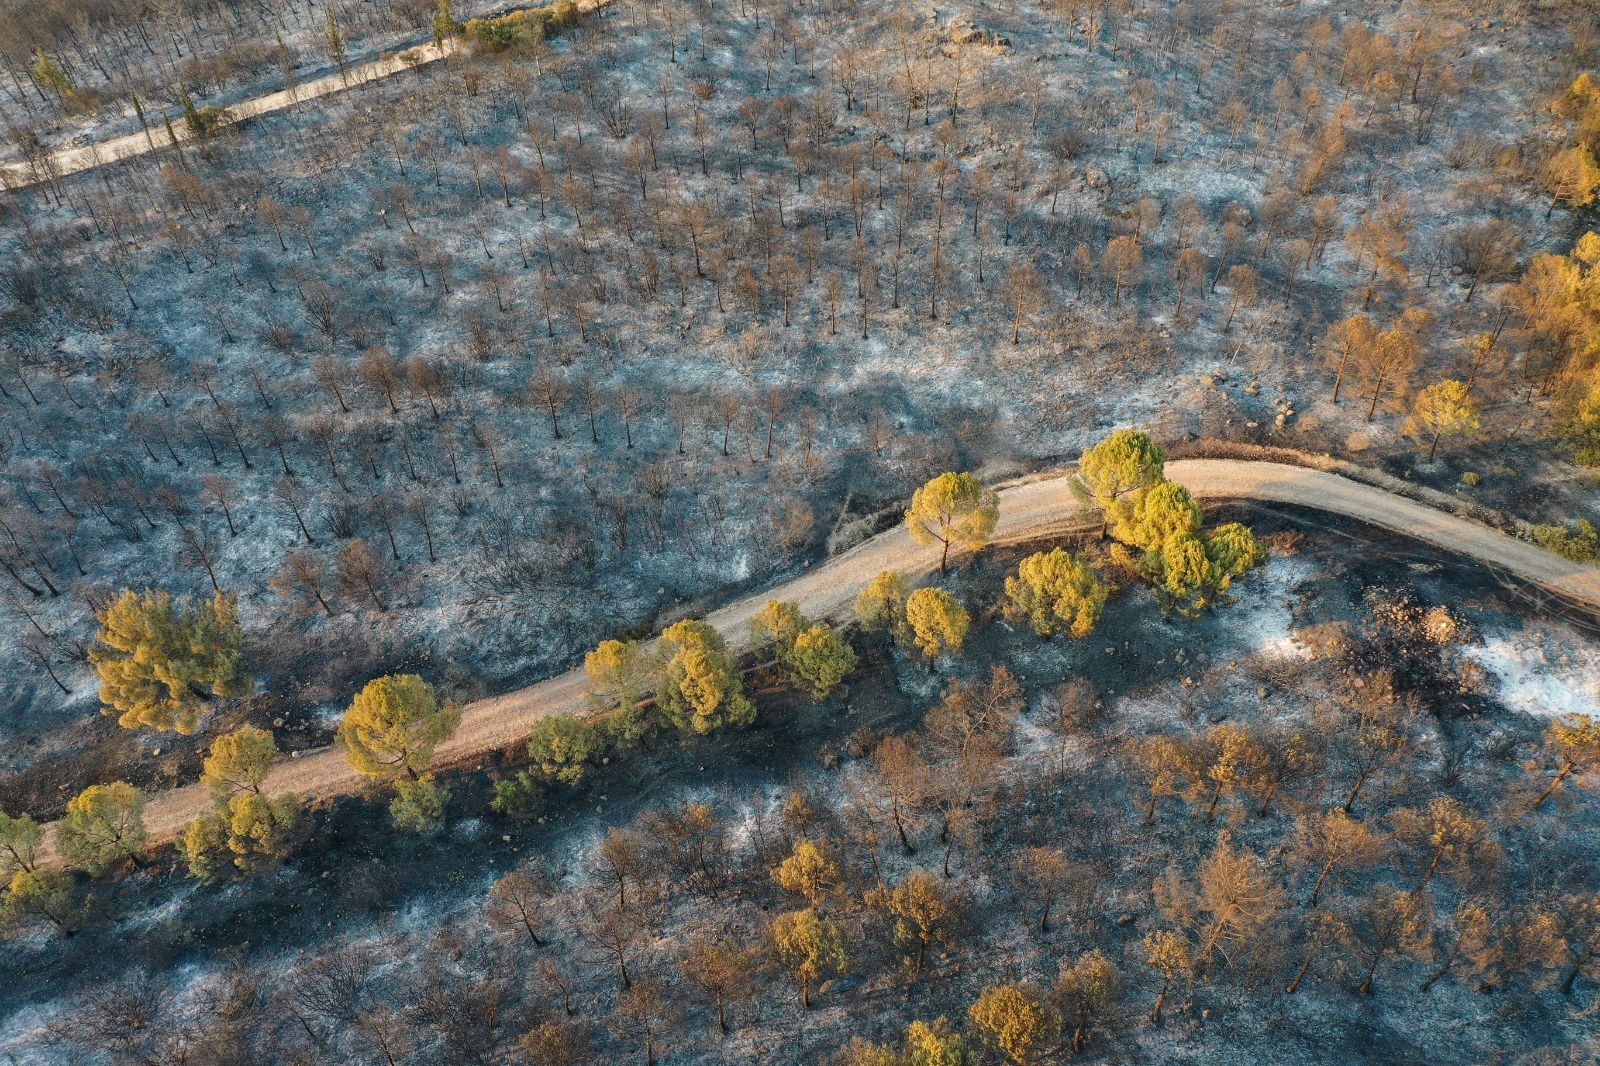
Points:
(923, 911)
(393, 725)
(42, 893)
(819, 660)
(953, 510)
(938, 622)
(1117, 472)
(881, 605)
(1167, 954)
(238, 762)
(1572, 175)
(1574, 743)
(246, 831)
(444, 24)
(563, 747)
(619, 676)
(1084, 993)
(418, 804)
(49, 73)
(159, 661)
(336, 49)
(1055, 591)
(1443, 409)
(809, 870)
(1017, 1020)
(1164, 511)
(103, 825)
(700, 688)
(811, 946)
(20, 837)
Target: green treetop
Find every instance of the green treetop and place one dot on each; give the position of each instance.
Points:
(1117, 472)
(393, 726)
(160, 660)
(700, 688)
(953, 509)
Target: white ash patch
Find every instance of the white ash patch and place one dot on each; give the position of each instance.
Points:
(1544, 671)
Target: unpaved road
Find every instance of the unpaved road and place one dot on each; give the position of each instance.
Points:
(1027, 510)
(67, 161)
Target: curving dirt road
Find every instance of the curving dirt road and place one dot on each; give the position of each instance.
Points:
(1028, 510)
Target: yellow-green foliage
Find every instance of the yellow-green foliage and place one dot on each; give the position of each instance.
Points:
(814, 658)
(1056, 591)
(818, 660)
(1017, 1020)
(953, 510)
(1559, 298)
(159, 659)
(41, 893)
(1165, 510)
(103, 825)
(49, 73)
(418, 805)
(1443, 409)
(247, 833)
(20, 837)
(393, 725)
(1579, 542)
(562, 748)
(521, 27)
(619, 675)
(808, 870)
(811, 946)
(238, 762)
(935, 1043)
(1191, 571)
(881, 606)
(700, 688)
(775, 626)
(1118, 471)
(1580, 105)
(938, 622)
(1235, 549)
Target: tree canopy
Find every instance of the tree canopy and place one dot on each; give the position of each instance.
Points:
(1056, 591)
(393, 725)
(159, 659)
(700, 689)
(938, 622)
(953, 510)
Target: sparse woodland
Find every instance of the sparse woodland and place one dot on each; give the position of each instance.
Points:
(316, 426)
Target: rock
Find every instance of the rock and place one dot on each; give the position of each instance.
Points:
(1253, 389)
(1095, 178)
(1252, 425)
(1261, 693)
(963, 31)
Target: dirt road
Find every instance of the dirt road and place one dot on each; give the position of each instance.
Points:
(1034, 508)
(67, 161)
